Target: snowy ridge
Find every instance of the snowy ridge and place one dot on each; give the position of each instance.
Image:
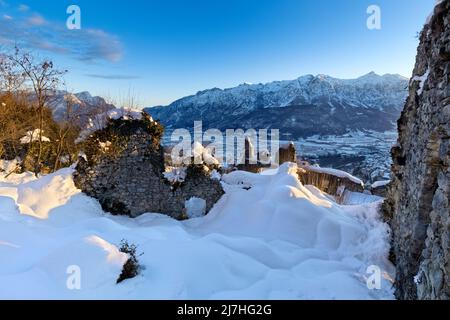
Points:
(306, 90)
(83, 104)
(305, 106)
(278, 240)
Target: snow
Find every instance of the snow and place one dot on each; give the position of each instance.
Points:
(422, 79)
(334, 172)
(356, 198)
(100, 121)
(8, 166)
(195, 207)
(33, 136)
(175, 174)
(417, 279)
(379, 184)
(203, 154)
(125, 114)
(276, 240)
(215, 175)
(64, 159)
(71, 98)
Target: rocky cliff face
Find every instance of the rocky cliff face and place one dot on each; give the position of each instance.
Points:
(418, 199)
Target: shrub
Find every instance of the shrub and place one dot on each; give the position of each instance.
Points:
(131, 268)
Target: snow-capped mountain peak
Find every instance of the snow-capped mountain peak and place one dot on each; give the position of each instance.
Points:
(83, 105)
(374, 78)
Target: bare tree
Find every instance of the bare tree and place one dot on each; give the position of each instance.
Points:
(11, 79)
(16, 118)
(67, 127)
(44, 79)
(130, 102)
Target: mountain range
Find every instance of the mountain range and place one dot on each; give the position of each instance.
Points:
(309, 105)
(83, 106)
(340, 123)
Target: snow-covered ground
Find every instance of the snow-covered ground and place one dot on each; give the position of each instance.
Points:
(278, 239)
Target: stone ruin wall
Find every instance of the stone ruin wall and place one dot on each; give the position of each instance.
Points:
(129, 179)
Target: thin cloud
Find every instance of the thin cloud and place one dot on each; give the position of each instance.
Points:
(7, 17)
(112, 76)
(37, 20)
(35, 32)
(24, 8)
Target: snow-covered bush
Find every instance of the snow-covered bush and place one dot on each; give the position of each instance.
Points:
(131, 268)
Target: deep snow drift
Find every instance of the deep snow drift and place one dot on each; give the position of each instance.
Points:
(279, 239)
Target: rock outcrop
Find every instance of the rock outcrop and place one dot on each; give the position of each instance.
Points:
(418, 198)
(124, 169)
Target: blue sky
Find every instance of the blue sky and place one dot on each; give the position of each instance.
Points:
(163, 50)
